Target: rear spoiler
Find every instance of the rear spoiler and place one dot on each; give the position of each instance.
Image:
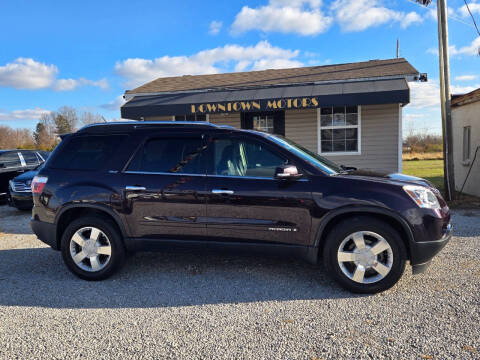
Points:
(63, 136)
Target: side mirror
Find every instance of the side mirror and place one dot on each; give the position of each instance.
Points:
(287, 172)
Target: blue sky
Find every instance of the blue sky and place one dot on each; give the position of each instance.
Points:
(87, 53)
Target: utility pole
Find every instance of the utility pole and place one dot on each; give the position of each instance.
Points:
(444, 62)
(445, 97)
(398, 48)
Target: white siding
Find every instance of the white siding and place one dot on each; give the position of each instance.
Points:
(379, 150)
(301, 127)
(159, 118)
(232, 119)
(379, 136)
(466, 115)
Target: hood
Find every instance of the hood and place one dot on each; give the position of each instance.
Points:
(28, 175)
(384, 176)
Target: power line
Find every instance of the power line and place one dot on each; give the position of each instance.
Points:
(450, 16)
(473, 19)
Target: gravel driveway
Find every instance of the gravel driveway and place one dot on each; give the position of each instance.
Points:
(187, 305)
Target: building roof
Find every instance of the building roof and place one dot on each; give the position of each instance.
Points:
(471, 97)
(366, 92)
(303, 75)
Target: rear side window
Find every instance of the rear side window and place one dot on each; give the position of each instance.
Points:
(9, 160)
(30, 158)
(170, 155)
(91, 152)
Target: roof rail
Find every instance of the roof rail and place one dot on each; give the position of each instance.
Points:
(139, 123)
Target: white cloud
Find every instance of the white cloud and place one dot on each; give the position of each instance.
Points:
(303, 17)
(427, 94)
(72, 84)
(424, 94)
(358, 15)
(114, 104)
(460, 90)
(472, 49)
(215, 27)
(26, 73)
(226, 58)
(466, 77)
(474, 8)
(27, 114)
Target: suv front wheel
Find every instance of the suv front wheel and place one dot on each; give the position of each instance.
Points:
(365, 255)
(92, 248)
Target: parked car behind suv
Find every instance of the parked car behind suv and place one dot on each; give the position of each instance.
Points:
(20, 190)
(113, 188)
(15, 162)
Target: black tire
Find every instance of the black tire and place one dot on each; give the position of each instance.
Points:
(117, 257)
(363, 223)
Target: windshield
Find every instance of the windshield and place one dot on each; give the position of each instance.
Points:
(327, 166)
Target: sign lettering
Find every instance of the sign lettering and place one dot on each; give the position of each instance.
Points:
(255, 105)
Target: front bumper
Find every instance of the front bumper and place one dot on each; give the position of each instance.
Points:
(423, 251)
(46, 232)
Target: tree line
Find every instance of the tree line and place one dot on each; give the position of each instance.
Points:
(45, 136)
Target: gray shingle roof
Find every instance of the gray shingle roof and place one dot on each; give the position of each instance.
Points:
(302, 75)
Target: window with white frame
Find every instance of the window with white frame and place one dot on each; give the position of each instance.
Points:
(263, 123)
(339, 129)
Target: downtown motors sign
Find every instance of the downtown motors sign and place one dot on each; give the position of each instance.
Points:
(255, 105)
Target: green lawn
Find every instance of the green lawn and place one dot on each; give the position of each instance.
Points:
(431, 170)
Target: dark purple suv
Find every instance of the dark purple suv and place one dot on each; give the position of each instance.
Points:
(115, 188)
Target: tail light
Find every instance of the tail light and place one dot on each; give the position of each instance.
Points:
(38, 183)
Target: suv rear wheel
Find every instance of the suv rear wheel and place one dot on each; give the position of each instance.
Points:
(365, 255)
(92, 248)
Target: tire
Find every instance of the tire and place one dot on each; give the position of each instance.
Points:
(342, 258)
(102, 253)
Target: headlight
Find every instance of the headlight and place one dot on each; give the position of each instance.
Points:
(422, 196)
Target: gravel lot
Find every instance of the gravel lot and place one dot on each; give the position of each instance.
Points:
(186, 305)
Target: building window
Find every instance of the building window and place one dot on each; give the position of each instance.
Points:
(339, 130)
(466, 143)
(191, 117)
(263, 123)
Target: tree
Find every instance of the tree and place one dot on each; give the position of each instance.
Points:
(44, 135)
(88, 117)
(66, 120)
(15, 138)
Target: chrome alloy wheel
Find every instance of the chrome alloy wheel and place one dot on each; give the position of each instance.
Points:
(90, 249)
(365, 257)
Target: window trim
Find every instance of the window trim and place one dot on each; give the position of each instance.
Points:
(340, 153)
(467, 130)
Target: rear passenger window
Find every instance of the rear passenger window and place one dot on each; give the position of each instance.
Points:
(90, 152)
(9, 160)
(30, 158)
(170, 155)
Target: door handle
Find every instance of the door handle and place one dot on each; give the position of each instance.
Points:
(135, 188)
(222, 192)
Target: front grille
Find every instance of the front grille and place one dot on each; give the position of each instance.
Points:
(18, 186)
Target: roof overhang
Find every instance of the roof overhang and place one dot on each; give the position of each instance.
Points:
(385, 91)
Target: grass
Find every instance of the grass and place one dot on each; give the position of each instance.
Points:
(407, 156)
(432, 170)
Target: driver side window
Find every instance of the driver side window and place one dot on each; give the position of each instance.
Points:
(240, 157)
